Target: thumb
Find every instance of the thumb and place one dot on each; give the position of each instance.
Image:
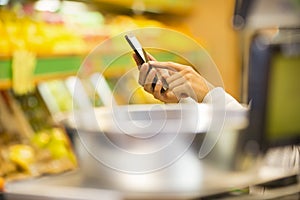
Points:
(150, 57)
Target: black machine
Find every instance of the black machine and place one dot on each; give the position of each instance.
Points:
(274, 88)
(273, 71)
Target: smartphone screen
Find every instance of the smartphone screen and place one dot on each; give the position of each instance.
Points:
(142, 56)
(137, 48)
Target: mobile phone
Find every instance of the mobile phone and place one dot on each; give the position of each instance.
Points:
(142, 56)
(137, 48)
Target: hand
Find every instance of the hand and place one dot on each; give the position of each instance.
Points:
(183, 82)
(137, 60)
(146, 79)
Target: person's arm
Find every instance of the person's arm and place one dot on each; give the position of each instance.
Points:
(185, 85)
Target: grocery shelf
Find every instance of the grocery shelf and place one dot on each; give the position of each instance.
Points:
(46, 68)
(58, 67)
(174, 7)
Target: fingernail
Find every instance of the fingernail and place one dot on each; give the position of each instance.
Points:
(151, 62)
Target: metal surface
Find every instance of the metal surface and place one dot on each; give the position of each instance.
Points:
(213, 182)
(187, 178)
(107, 170)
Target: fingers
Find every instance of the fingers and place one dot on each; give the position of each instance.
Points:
(147, 77)
(150, 57)
(168, 65)
(157, 89)
(180, 91)
(180, 80)
(149, 80)
(185, 90)
(174, 77)
(168, 96)
(139, 62)
(176, 82)
(143, 73)
(163, 73)
(182, 88)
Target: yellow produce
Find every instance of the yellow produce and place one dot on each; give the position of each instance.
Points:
(22, 155)
(5, 46)
(59, 144)
(37, 36)
(41, 139)
(56, 142)
(59, 136)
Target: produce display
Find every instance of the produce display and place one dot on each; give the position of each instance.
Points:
(38, 147)
(60, 33)
(25, 32)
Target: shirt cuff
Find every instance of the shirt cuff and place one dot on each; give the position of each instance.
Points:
(219, 97)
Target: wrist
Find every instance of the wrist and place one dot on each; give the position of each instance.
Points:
(202, 94)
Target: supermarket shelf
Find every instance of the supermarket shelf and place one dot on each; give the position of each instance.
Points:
(174, 7)
(46, 68)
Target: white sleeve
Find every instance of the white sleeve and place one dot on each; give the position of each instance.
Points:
(219, 97)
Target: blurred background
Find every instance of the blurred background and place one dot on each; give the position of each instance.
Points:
(44, 44)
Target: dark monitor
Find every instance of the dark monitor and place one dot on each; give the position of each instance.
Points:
(241, 12)
(274, 88)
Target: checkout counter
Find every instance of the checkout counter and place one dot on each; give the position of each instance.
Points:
(240, 164)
